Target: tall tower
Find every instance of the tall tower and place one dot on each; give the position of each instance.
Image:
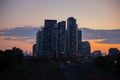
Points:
(39, 42)
(72, 33)
(62, 36)
(49, 26)
(34, 49)
(55, 40)
(79, 40)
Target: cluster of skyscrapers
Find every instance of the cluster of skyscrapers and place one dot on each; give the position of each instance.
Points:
(57, 38)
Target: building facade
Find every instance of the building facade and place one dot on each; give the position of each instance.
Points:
(79, 40)
(49, 26)
(61, 36)
(39, 42)
(54, 42)
(85, 48)
(34, 50)
(72, 33)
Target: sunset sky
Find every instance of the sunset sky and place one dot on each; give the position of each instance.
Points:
(91, 14)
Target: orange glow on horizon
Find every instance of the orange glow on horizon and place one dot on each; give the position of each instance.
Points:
(8, 44)
(95, 45)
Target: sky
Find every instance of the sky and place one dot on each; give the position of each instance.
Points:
(91, 14)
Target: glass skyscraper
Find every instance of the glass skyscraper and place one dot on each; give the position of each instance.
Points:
(72, 33)
(39, 42)
(47, 33)
(61, 36)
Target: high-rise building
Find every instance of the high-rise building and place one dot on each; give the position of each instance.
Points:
(66, 42)
(72, 34)
(49, 26)
(61, 37)
(39, 42)
(79, 40)
(55, 40)
(34, 49)
(85, 48)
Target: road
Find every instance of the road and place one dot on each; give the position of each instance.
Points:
(85, 71)
(53, 71)
(41, 71)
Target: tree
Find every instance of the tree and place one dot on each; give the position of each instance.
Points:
(19, 54)
(11, 58)
(2, 60)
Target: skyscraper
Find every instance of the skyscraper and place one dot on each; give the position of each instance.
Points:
(72, 33)
(39, 42)
(79, 40)
(61, 36)
(34, 49)
(55, 40)
(49, 26)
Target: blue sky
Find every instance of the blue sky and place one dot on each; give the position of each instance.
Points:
(96, 14)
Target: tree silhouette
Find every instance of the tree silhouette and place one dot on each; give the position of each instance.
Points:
(19, 54)
(10, 58)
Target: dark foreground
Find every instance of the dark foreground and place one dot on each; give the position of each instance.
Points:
(60, 71)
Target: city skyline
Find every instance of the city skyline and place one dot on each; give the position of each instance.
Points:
(25, 40)
(92, 14)
(60, 38)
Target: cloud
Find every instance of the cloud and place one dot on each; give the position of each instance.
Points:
(24, 39)
(28, 34)
(107, 36)
(20, 31)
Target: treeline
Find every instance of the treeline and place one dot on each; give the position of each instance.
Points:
(108, 64)
(11, 58)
